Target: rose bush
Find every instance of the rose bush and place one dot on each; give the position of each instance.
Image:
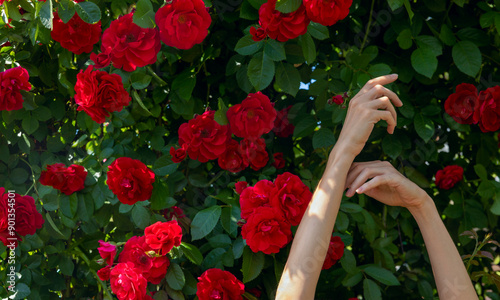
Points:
(225, 128)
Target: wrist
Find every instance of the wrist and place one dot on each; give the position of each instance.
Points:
(341, 153)
(424, 209)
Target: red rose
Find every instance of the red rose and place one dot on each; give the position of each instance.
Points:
(127, 283)
(279, 161)
(218, 284)
(130, 180)
(487, 113)
(280, 26)
(232, 159)
(99, 93)
(282, 126)
(66, 179)
(77, 36)
(266, 230)
(240, 186)
(205, 139)
(178, 155)
(292, 196)
(258, 34)
(253, 117)
(173, 212)
(254, 153)
(129, 45)
(163, 236)
(145, 259)
(103, 273)
(327, 12)
(107, 251)
(255, 197)
(335, 252)
(12, 81)
(449, 176)
(100, 60)
(27, 218)
(461, 104)
(183, 23)
(339, 100)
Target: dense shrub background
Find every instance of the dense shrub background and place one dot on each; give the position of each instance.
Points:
(433, 45)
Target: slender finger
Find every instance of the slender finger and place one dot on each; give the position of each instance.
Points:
(386, 116)
(375, 182)
(366, 174)
(382, 80)
(379, 91)
(384, 103)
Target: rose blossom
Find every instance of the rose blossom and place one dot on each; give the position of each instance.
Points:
(129, 45)
(266, 230)
(280, 26)
(218, 284)
(204, 138)
(100, 60)
(66, 179)
(240, 186)
(252, 198)
(99, 93)
(253, 117)
(449, 176)
(258, 34)
(335, 252)
(327, 12)
(282, 125)
(254, 152)
(12, 81)
(183, 23)
(131, 180)
(107, 251)
(163, 236)
(27, 218)
(292, 196)
(103, 273)
(145, 259)
(77, 36)
(279, 161)
(461, 104)
(178, 155)
(174, 211)
(127, 283)
(487, 113)
(232, 159)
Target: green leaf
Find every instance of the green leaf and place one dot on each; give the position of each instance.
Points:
(405, 39)
(431, 43)
(395, 4)
(66, 10)
(253, 263)
(46, 14)
(425, 290)
(229, 219)
(318, 31)
(144, 15)
(140, 216)
(220, 115)
(30, 125)
(371, 290)
(66, 265)
(88, 11)
(382, 275)
(12, 10)
(288, 78)
(261, 71)
(424, 61)
(164, 166)
(204, 222)
(352, 279)
(53, 225)
(424, 127)
(467, 57)
(19, 176)
(308, 48)
(175, 277)
(247, 46)
(184, 83)
(392, 146)
(136, 97)
(495, 208)
(348, 262)
(446, 35)
(68, 205)
(305, 126)
(275, 50)
(140, 80)
(379, 70)
(288, 6)
(323, 138)
(481, 171)
(22, 291)
(351, 208)
(192, 253)
(160, 198)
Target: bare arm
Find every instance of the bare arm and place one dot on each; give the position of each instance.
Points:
(390, 187)
(311, 241)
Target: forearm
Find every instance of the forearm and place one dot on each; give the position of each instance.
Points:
(452, 280)
(312, 238)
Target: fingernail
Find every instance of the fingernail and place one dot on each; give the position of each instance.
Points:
(394, 75)
(359, 191)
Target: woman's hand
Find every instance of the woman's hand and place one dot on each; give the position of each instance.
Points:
(372, 103)
(387, 185)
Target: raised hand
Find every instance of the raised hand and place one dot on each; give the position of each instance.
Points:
(372, 103)
(387, 185)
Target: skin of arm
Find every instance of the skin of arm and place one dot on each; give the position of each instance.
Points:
(390, 187)
(373, 103)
